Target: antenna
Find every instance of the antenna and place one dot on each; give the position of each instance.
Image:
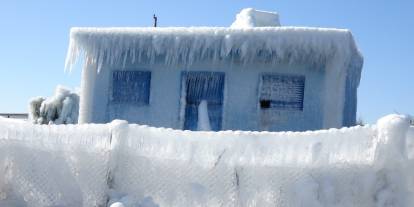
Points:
(155, 20)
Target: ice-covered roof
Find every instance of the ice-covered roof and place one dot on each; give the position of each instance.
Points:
(188, 45)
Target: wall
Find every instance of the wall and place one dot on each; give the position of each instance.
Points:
(241, 106)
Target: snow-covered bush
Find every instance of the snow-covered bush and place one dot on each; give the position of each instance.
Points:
(62, 108)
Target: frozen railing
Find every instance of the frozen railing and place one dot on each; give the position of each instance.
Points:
(98, 165)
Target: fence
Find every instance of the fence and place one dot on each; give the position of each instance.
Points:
(96, 165)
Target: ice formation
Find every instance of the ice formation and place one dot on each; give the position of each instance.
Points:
(185, 46)
(126, 165)
(250, 17)
(203, 119)
(62, 108)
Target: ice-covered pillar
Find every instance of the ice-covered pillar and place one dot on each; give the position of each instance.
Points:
(89, 74)
(392, 171)
(119, 130)
(410, 143)
(333, 94)
(392, 135)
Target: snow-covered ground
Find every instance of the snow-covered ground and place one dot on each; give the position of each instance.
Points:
(121, 164)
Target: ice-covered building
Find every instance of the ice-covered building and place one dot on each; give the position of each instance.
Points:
(254, 75)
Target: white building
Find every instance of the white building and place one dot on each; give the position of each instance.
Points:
(255, 75)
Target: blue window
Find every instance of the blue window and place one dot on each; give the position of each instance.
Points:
(131, 87)
(199, 86)
(282, 92)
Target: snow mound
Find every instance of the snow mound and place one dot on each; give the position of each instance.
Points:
(121, 164)
(250, 17)
(62, 108)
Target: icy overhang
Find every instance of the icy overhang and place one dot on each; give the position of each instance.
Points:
(186, 46)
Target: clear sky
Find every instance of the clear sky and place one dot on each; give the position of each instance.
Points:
(34, 37)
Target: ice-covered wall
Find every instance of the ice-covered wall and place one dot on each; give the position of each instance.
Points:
(241, 109)
(145, 166)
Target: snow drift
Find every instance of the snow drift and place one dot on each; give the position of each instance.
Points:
(131, 165)
(62, 108)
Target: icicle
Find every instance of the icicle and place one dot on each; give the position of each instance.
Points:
(186, 46)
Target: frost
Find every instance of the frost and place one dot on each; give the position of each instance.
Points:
(62, 108)
(254, 18)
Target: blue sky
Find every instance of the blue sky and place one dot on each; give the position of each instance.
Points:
(34, 39)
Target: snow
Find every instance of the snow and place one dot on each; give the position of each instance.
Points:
(203, 119)
(184, 46)
(62, 108)
(117, 204)
(121, 164)
(250, 17)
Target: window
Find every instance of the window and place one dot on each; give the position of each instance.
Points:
(131, 87)
(199, 86)
(282, 92)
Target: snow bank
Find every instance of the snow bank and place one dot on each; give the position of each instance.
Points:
(185, 46)
(250, 17)
(62, 108)
(133, 165)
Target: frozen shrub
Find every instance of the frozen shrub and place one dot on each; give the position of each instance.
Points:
(62, 108)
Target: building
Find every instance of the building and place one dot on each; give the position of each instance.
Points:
(14, 115)
(255, 75)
